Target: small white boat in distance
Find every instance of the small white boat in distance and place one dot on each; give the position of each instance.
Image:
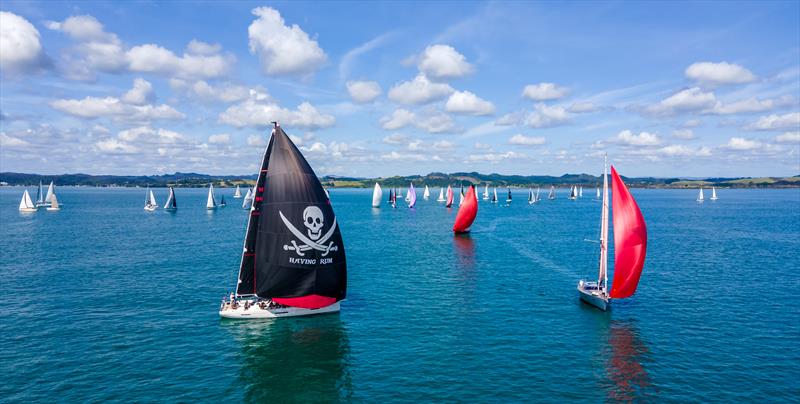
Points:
(494, 196)
(237, 194)
(700, 197)
(573, 193)
(441, 195)
(48, 199)
(248, 199)
(426, 194)
(713, 194)
(53, 203)
(211, 202)
(150, 203)
(486, 192)
(552, 194)
(580, 192)
(377, 195)
(26, 204)
(171, 204)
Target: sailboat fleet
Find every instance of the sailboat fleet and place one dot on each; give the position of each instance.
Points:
(47, 201)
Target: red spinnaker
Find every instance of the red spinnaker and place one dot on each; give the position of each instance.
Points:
(466, 212)
(630, 239)
(306, 302)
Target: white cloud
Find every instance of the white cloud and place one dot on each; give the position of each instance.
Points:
(690, 99)
(151, 58)
(283, 50)
(406, 156)
(544, 91)
(740, 143)
(444, 145)
(776, 122)
(685, 134)
(114, 146)
(253, 112)
(683, 151)
(20, 48)
(627, 137)
(788, 137)
(420, 90)
(719, 73)
(146, 134)
(224, 92)
(583, 107)
(443, 62)
(93, 107)
(496, 157)
(465, 102)
(437, 123)
(400, 118)
(513, 118)
(482, 146)
(140, 94)
(256, 140)
(544, 116)
(222, 138)
(11, 141)
(396, 138)
(522, 140)
(196, 47)
(692, 123)
(750, 105)
(363, 92)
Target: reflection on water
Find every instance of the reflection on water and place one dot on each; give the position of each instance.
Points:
(293, 359)
(465, 251)
(625, 366)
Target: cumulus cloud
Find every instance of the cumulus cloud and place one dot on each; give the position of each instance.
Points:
(396, 138)
(692, 123)
(750, 105)
(776, 122)
(400, 118)
(788, 137)
(222, 138)
(626, 137)
(544, 116)
(544, 91)
(196, 47)
(132, 106)
(583, 107)
(443, 62)
(283, 49)
(685, 134)
(495, 157)
(140, 94)
(740, 143)
(362, 92)
(151, 58)
(114, 146)
(687, 100)
(11, 141)
(444, 145)
(20, 46)
(437, 123)
(256, 140)
(420, 90)
(719, 73)
(676, 150)
(261, 113)
(465, 102)
(522, 140)
(224, 92)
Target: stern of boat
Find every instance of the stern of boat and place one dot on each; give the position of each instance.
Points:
(591, 293)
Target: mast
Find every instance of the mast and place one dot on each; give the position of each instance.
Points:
(603, 276)
(40, 195)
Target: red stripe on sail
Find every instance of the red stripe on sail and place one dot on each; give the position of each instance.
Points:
(306, 302)
(466, 212)
(630, 239)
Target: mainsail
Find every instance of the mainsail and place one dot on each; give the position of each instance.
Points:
(552, 194)
(486, 192)
(40, 195)
(441, 195)
(630, 239)
(509, 195)
(248, 199)
(171, 202)
(427, 193)
(238, 193)
(152, 200)
(211, 202)
(449, 197)
(50, 193)
(466, 212)
(26, 203)
(494, 196)
(461, 196)
(412, 196)
(293, 249)
(377, 194)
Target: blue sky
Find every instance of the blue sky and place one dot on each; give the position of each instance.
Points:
(666, 89)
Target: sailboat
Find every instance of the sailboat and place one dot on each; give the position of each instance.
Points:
(237, 194)
(552, 194)
(598, 194)
(40, 195)
(171, 204)
(494, 196)
(377, 194)
(573, 193)
(630, 246)
(531, 198)
(449, 202)
(408, 196)
(580, 192)
(248, 199)
(461, 196)
(211, 202)
(486, 192)
(412, 196)
(700, 196)
(508, 198)
(293, 261)
(393, 198)
(150, 203)
(536, 197)
(441, 195)
(54, 206)
(222, 203)
(26, 204)
(426, 194)
(713, 194)
(48, 199)
(466, 212)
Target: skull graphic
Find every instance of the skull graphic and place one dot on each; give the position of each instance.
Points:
(313, 220)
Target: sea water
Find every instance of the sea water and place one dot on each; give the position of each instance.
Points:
(105, 301)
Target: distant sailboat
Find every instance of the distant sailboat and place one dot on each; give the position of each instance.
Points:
(293, 261)
(50, 194)
(461, 196)
(598, 194)
(377, 194)
(150, 203)
(486, 192)
(171, 204)
(700, 197)
(248, 199)
(573, 193)
(441, 195)
(26, 204)
(237, 194)
(40, 195)
(531, 198)
(713, 194)
(508, 199)
(412, 196)
(53, 203)
(449, 202)
(211, 201)
(630, 247)
(494, 196)
(466, 212)
(552, 194)
(426, 194)
(580, 192)
(536, 197)
(393, 198)
(222, 203)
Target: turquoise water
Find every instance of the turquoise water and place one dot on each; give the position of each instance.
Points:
(104, 301)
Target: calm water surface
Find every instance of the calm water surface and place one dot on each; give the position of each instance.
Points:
(104, 301)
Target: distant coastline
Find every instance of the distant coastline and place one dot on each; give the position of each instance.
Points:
(195, 180)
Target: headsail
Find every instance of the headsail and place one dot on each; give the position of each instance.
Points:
(377, 194)
(427, 193)
(466, 212)
(449, 197)
(26, 203)
(171, 203)
(441, 195)
(630, 239)
(152, 199)
(211, 202)
(248, 199)
(50, 193)
(411, 196)
(238, 193)
(293, 250)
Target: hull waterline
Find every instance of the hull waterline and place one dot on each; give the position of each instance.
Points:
(256, 312)
(590, 294)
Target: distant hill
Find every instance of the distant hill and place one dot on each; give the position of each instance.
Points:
(433, 180)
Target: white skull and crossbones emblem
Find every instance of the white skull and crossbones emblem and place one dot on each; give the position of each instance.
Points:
(314, 220)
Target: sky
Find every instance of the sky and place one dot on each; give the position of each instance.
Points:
(691, 89)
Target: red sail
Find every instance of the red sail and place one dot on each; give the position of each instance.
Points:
(466, 212)
(630, 239)
(449, 198)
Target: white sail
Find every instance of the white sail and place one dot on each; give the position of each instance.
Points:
(441, 195)
(247, 199)
(171, 196)
(713, 194)
(54, 203)
(700, 197)
(50, 193)
(238, 193)
(580, 192)
(426, 194)
(598, 194)
(26, 204)
(460, 197)
(377, 195)
(211, 203)
(537, 194)
(495, 195)
(153, 198)
(552, 194)
(486, 192)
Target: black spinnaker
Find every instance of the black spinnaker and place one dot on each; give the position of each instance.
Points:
(293, 249)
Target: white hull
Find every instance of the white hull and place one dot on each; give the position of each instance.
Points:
(591, 294)
(52, 208)
(255, 312)
(150, 208)
(28, 210)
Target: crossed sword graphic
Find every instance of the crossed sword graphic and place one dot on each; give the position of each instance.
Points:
(309, 244)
